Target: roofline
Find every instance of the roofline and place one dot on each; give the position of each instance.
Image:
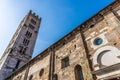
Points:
(50, 47)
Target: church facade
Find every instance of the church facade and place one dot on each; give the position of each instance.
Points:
(89, 52)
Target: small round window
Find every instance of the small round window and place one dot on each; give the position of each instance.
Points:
(98, 41)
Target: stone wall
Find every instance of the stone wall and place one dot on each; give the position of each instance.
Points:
(19, 76)
(84, 49)
(74, 49)
(105, 52)
(40, 69)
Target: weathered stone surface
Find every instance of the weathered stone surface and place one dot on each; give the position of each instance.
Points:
(93, 49)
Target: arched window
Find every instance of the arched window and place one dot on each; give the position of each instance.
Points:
(41, 72)
(55, 77)
(92, 25)
(31, 76)
(78, 73)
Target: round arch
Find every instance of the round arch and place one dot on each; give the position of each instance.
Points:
(78, 73)
(102, 50)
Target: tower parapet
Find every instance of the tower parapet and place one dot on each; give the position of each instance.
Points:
(34, 14)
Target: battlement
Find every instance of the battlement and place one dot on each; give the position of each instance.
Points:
(34, 14)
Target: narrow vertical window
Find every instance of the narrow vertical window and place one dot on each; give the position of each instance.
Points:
(21, 48)
(31, 77)
(55, 77)
(41, 72)
(78, 73)
(28, 34)
(24, 50)
(17, 64)
(26, 42)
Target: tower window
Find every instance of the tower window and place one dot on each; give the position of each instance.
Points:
(31, 26)
(22, 49)
(65, 62)
(26, 41)
(33, 21)
(28, 34)
(17, 64)
(25, 25)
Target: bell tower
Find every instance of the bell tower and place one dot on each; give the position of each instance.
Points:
(20, 48)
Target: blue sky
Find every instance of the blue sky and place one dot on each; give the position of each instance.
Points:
(59, 17)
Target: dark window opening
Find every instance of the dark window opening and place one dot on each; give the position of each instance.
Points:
(26, 42)
(75, 46)
(17, 64)
(115, 43)
(31, 26)
(22, 49)
(78, 73)
(41, 72)
(28, 34)
(65, 62)
(30, 78)
(19, 77)
(25, 25)
(92, 25)
(63, 43)
(33, 21)
(55, 77)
